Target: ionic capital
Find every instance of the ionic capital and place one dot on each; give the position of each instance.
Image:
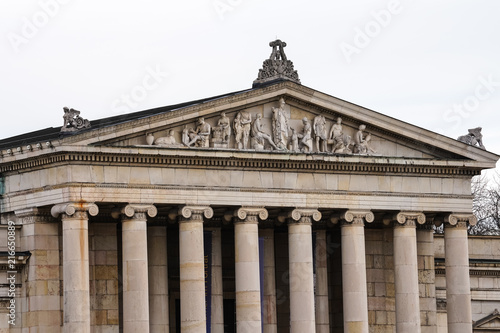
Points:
(250, 214)
(409, 218)
(304, 215)
(191, 213)
(459, 220)
(139, 211)
(75, 209)
(357, 217)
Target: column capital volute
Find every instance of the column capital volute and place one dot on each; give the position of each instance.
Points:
(409, 218)
(72, 207)
(460, 220)
(133, 210)
(188, 212)
(250, 214)
(304, 215)
(357, 216)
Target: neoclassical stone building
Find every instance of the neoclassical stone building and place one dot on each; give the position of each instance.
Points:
(275, 209)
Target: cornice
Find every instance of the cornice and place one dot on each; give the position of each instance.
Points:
(237, 160)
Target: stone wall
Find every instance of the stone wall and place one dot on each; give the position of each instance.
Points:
(104, 277)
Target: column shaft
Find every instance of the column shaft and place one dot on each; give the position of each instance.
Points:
(406, 278)
(458, 298)
(158, 279)
(322, 308)
(247, 271)
(354, 278)
(302, 318)
(135, 274)
(76, 273)
(192, 283)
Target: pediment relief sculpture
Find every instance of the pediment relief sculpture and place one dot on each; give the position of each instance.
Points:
(271, 130)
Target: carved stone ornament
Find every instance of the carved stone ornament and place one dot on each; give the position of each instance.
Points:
(250, 214)
(357, 217)
(304, 215)
(72, 120)
(460, 220)
(277, 67)
(195, 212)
(409, 218)
(473, 138)
(73, 208)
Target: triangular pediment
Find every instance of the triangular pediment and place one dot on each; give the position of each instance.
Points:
(178, 127)
(490, 323)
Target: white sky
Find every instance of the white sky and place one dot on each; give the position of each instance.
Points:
(435, 64)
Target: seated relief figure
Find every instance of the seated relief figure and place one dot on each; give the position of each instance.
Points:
(221, 132)
(339, 140)
(319, 126)
(362, 143)
(201, 136)
(259, 136)
(306, 141)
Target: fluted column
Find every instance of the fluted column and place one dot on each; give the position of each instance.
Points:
(75, 264)
(192, 279)
(302, 317)
(458, 298)
(354, 270)
(269, 301)
(406, 271)
(158, 279)
(247, 271)
(135, 266)
(322, 304)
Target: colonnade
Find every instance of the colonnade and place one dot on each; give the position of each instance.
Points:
(308, 307)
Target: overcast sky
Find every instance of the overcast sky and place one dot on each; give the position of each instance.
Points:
(435, 64)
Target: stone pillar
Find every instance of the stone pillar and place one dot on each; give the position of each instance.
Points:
(322, 309)
(192, 273)
(302, 318)
(355, 296)
(39, 235)
(75, 264)
(158, 279)
(458, 298)
(269, 318)
(406, 271)
(247, 270)
(217, 318)
(427, 277)
(135, 267)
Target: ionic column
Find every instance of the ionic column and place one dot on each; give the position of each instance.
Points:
(355, 296)
(406, 271)
(269, 301)
(302, 317)
(135, 267)
(217, 318)
(192, 279)
(75, 264)
(458, 299)
(247, 271)
(158, 279)
(322, 309)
